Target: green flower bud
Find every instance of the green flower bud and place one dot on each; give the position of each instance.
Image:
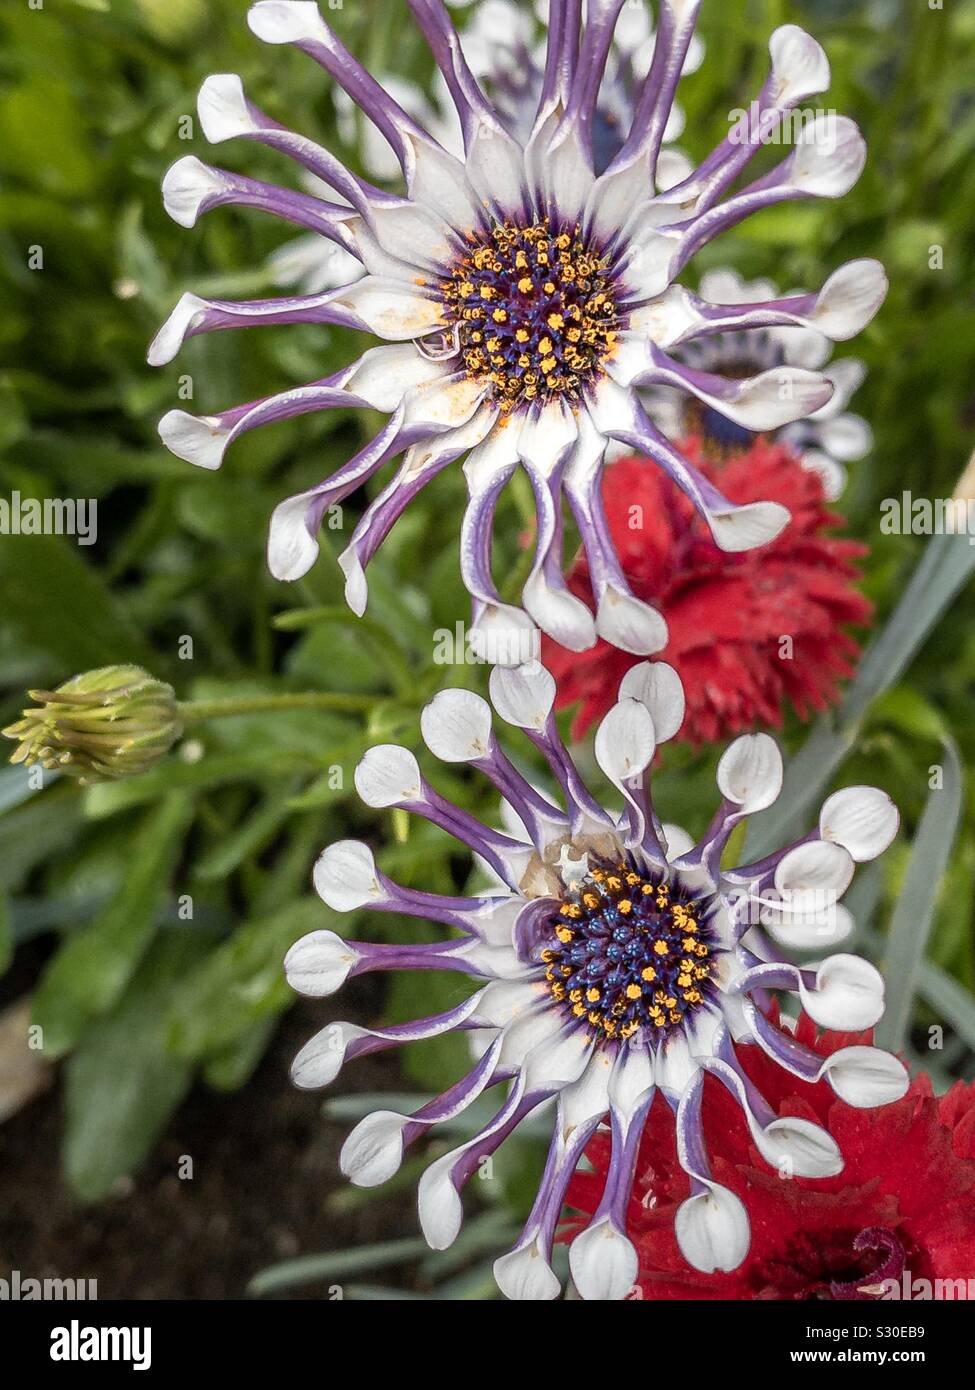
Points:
(102, 725)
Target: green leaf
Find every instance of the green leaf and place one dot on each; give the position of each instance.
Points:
(43, 136)
(242, 982)
(254, 832)
(234, 1065)
(335, 1264)
(121, 1085)
(6, 934)
(914, 913)
(37, 832)
(56, 602)
(946, 564)
(92, 968)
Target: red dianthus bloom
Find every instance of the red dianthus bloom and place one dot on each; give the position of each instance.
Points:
(727, 613)
(903, 1208)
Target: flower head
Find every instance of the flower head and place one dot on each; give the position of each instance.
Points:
(748, 634)
(99, 726)
(903, 1205)
(525, 299)
(825, 441)
(617, 960)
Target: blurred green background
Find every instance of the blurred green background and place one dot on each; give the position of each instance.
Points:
(138, 999)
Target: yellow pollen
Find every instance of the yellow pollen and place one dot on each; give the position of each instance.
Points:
(633, 991)
(564, 319)
(660, 948)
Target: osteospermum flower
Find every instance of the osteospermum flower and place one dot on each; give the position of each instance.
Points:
(503, 48)
(618, 960)
(903, 1209)
(525, 301)
(505, 53)
(749, 635)
(826, 441)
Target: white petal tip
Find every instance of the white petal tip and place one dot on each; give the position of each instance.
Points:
(712, 1230)
(525, 1275)
(186, 186)
(199, 439)
(849, 299)
(799, 63)
(750, 772)
(440, 1208)
(747, 527)
(866, 1077)
(829, 157)
(604, 1263)
(456, 726)
(625, 744)
(285, 21)
(387, 776)
(523, 695)
(658, 686)
(171, 336)
(291, 548)
(320, 1060)
(345, 876)
(504, 636)
(222, 108)
(319, 964)
(630, 624)
(863, 820)
(849, 995)
(373, 1152)
(356, 587)
(560, 615)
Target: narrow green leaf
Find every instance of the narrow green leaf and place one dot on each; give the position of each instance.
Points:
(335, 1264)
(946, 564)
(242, 981)
(92, 968)
(56, 602)
(6, 934)
(121, 1085)
(914, 913)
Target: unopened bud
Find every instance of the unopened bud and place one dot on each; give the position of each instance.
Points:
(102, 725)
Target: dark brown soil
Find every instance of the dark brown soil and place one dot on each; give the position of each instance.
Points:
(265, 1163)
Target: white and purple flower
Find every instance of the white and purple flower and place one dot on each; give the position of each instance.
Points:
(615, 958)
(525, 298)
(825, 442)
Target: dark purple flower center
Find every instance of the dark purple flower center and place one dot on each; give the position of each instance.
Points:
(630, 952)
(534, 312)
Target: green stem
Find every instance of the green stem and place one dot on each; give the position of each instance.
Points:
(194, 711)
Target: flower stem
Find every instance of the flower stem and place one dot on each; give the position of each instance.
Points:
(195, 711)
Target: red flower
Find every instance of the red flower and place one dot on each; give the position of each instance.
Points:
(903, 1206)
(727, 614)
